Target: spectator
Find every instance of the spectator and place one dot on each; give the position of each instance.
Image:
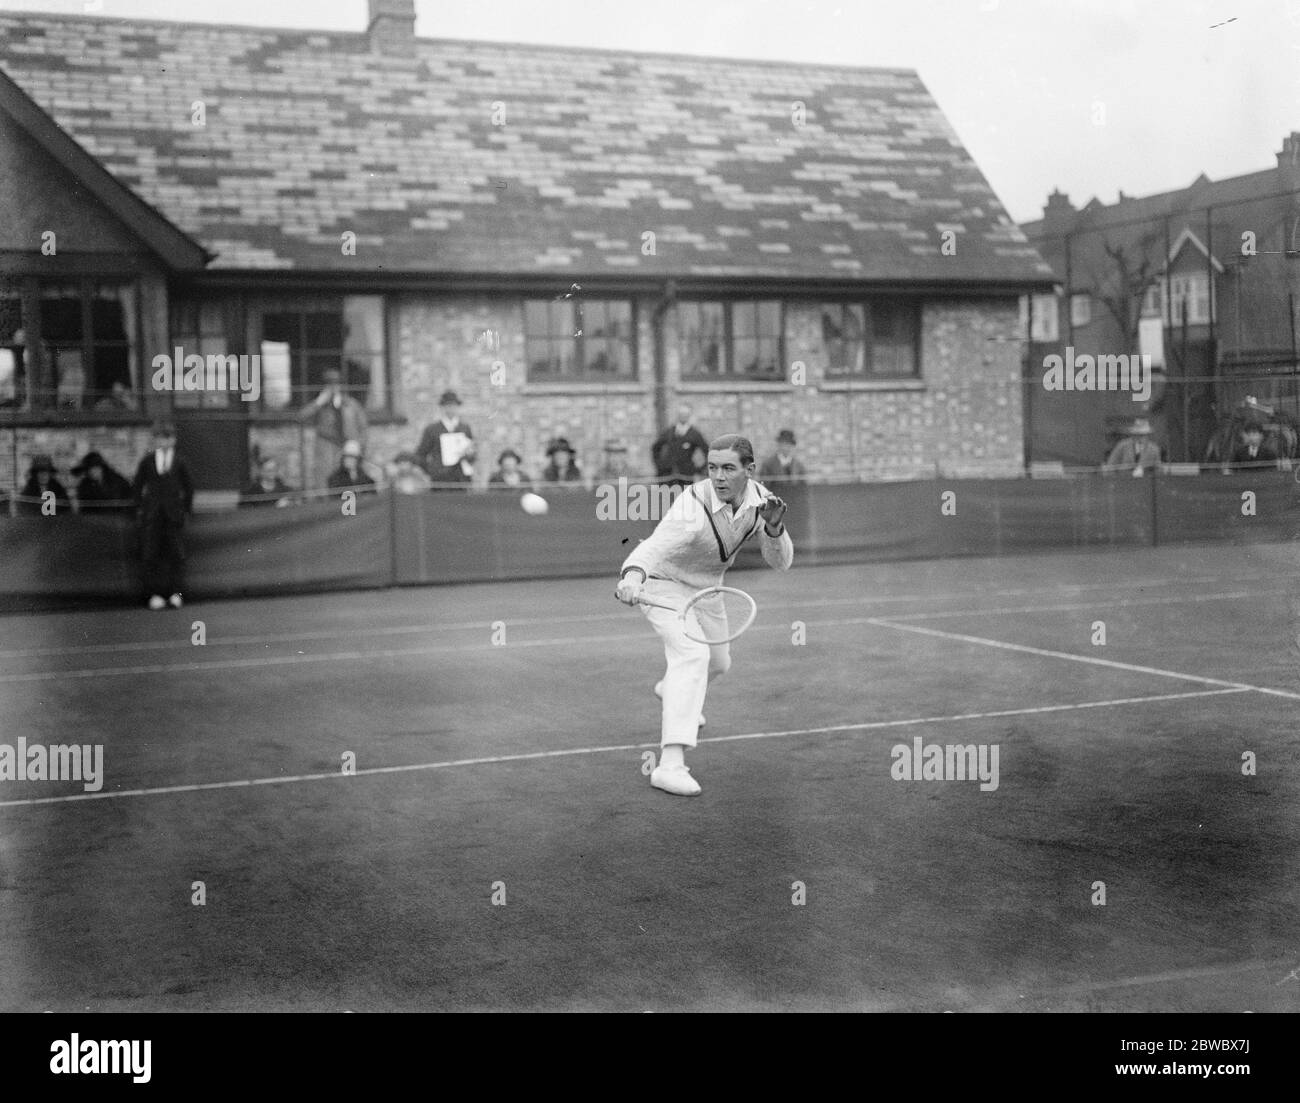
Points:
(1252, 453)
(337, 417)
(783, 466)
(164, 496)
(446, 447)
(119, 397)
(1136, 454)
(267, 489)
(40, 480)
(680, 451)
(616, 465)
(350, 475)
(408, 476)
(508, 472)
(561, 468)
(101, 488)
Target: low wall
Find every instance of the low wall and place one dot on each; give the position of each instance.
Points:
(466, 537)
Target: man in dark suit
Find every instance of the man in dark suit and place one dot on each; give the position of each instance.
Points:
(679, 451)
(446, 448)
(164, 497)
(1252, 453)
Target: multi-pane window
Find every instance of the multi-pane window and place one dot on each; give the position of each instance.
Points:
(1080, 309)
(591, 339)
(742, 339)
(1168, 299)
(1044, 320)
(300, 342)
(874, 340)
(87, 334)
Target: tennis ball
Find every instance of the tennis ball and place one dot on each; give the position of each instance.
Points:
(534, 504)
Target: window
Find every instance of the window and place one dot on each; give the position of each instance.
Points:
(1192, 292)
(199, 327)
(875, 340)
(1044, 324)
(576, 339)
(1153, 300)
(741, 339)
(87, 331)
(1080, 309)
(300, 341)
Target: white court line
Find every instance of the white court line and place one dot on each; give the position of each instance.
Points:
(1181, 599)
(873, 725)
(1091, 660)
(419, 629)
(1166, 978)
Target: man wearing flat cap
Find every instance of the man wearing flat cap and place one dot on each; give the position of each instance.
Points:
(446, 448)
(783, 465)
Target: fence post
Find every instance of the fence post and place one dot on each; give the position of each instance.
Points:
(1155, 498)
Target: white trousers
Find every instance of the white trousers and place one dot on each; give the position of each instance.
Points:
(690, 664)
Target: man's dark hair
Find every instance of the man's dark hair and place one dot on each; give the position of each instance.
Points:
(734, 442)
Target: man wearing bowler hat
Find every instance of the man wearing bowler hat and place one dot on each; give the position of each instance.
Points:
(446, 448)
(164, 496)
(783, 464)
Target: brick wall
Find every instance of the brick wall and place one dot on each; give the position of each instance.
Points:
(962, 417)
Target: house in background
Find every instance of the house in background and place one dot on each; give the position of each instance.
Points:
(574, 240)
(1205, 279)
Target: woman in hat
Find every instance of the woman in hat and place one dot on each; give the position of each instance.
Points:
(408, 477)
(561, 468)
(508, 473)
(101, 488)
(32, 501)
(350, 474)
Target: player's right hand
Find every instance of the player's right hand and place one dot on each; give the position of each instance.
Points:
(629, 588)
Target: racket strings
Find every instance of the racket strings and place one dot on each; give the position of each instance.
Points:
(719, 615)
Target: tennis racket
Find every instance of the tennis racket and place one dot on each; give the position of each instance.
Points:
(721, 613)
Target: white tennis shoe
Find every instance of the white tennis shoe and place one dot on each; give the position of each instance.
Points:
(676, 780)
(659, 692)
(157, 602)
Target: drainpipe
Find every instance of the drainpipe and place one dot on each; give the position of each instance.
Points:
(660, 365)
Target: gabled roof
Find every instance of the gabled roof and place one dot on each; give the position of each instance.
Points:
(170, 244)
(311, 135)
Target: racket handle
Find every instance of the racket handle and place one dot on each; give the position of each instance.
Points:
(658, 604)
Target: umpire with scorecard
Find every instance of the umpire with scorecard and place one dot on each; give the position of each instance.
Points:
(676, 577)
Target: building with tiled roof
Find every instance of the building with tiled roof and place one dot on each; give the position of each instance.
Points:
(574, 240)
(1204, 279)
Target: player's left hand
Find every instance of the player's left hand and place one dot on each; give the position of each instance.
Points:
(773, 511)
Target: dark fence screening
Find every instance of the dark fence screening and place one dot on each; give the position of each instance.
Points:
(405, 539)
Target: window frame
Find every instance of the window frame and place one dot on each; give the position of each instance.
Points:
(255, 309)
(868, 304)
(727, 369)
(579, 344)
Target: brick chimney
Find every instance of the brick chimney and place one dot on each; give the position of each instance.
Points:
(1058, 209)
(392, 27)
(1289, 157)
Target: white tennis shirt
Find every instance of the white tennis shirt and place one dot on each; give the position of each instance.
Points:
(699, 536)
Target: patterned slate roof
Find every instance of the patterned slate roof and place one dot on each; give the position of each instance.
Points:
(309, 135)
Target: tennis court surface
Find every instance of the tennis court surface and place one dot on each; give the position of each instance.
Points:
(498, 732)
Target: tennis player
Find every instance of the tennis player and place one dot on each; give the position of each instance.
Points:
(690, 550)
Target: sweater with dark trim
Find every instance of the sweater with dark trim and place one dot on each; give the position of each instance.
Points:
(694, 545)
